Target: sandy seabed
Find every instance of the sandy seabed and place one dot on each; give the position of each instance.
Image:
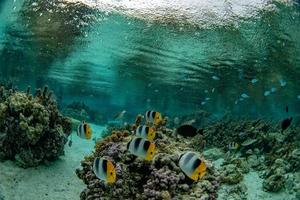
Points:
(53, 181)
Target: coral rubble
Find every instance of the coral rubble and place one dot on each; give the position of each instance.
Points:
(32, 128)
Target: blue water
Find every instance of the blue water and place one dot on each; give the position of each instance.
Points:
(113, 61)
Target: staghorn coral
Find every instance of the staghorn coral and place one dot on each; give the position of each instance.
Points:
(160, 178)
(33, 130)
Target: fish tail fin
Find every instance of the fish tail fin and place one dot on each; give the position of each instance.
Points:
(200, 131)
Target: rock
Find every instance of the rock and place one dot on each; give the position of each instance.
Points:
(213, 154)
(274, 183)
(237, 192)
(231, 174)
(253, 161)
(1, 195)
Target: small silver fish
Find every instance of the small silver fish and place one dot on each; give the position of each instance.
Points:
(273, 89)
(253, 81)
(215, 78)
(189, 122)
(120, 115)
(282, 83)
(267, 93)
(244, 96)
(176, 120)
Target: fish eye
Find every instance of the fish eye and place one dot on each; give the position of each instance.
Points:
(151, 153)
(111, 173)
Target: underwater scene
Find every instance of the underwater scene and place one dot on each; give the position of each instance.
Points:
(159, 100)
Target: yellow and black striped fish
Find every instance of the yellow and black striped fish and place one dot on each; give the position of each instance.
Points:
(104, 170)
(153, 117)
(233, 146)
(145, 132)
(84, 131)
(192, 166)
(141, 148)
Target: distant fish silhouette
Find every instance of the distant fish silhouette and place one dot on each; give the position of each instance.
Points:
(215, 78)
(188, 131)
(273, 89)
(70, 143)
(286, 123)
(244, 95)
(287, 109)
(267, 93)
(282, 83)
(253, 81)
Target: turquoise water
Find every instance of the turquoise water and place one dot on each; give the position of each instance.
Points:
(108, 58)
(228, 58)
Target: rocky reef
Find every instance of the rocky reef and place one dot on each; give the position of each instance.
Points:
(32, 129)
(160, 178)
(263, 148)
(80, 111)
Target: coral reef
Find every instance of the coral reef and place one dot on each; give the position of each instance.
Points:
(32, 129)
(160, 178)
(80, 111)
(263, 147)
(198, 119)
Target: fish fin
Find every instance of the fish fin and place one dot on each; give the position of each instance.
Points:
(188, 180)
(200, 131)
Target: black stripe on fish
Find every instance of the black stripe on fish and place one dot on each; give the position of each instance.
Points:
(188, 157)
(146, 145)
(147, 129)
(128, 144)
(140, 129)
(181, 156)
(196, 163)
(104, 165)
(97, 160)
(153, 115)
(85, 127)
(148, 114)
(137, 143)
(79, 130)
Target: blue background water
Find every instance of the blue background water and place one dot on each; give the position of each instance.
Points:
(113, 62)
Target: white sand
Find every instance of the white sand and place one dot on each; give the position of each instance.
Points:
(55, 181)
